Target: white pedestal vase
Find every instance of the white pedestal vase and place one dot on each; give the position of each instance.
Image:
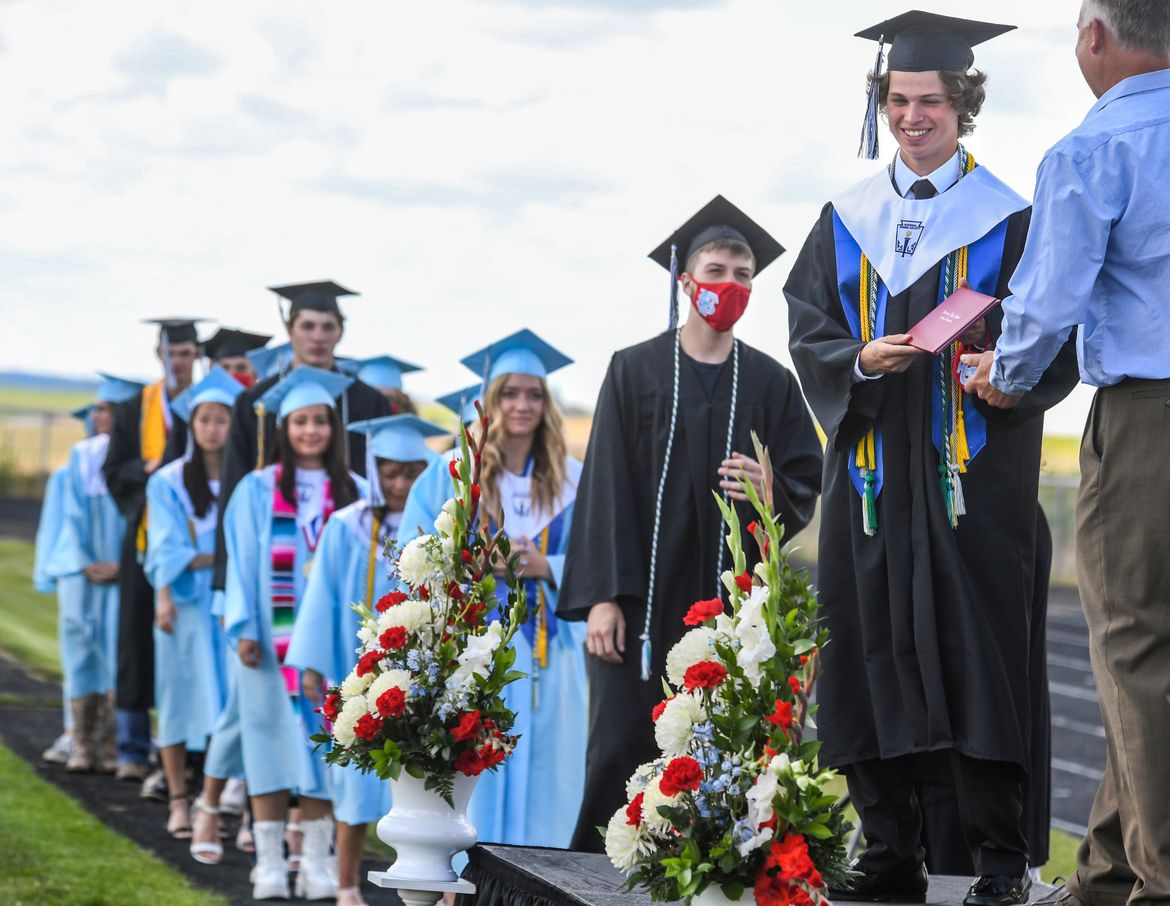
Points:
(426, 833)
(714, 896)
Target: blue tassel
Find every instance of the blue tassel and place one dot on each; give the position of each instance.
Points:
(646, 658)
(868, 148)
(673, 323)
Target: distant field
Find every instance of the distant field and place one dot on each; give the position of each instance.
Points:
(58, 401)
(1061, 455)
(36, 434)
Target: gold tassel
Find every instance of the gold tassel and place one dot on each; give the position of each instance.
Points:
(261, 426)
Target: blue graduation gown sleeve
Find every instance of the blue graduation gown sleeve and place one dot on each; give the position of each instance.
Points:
(49, 531)
(169, 547)
(316, 640)
(243, 529)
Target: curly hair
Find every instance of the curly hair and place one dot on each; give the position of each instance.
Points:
(548, 453)
(965, 91)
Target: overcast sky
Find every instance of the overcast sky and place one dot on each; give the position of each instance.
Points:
(470, 167)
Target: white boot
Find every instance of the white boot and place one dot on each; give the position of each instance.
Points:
(270, 877)
(314, 880)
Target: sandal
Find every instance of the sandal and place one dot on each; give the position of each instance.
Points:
(245, 842)
(205, 851)
(182, 831)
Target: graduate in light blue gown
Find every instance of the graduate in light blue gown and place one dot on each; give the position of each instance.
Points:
(384, 373)
(272, 529)
(530, 480)
(84, 564)
(350, 569)
(190, 683)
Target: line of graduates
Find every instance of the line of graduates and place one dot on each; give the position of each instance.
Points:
(254, 516)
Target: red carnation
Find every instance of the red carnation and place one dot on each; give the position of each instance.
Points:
(681, 774)
(468, 726)
(392, 638)
(744, 581)
(473, 613)
(702, 611)
(660, 707)
(454, 592)
(634, 811)
(491, 755)
(423, 593)
(468, 762)
(795, 685)
(393, 599)
(368, 661)
(782, 716)
(331, 707)
(453, 468)
(368, 727)
(704, 675)
(791, 857)
(392, 702)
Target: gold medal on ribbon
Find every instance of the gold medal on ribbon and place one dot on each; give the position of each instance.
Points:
(307, 569)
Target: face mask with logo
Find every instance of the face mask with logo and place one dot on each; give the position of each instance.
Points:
(720, 304)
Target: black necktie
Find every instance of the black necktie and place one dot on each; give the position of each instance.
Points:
(924, 188)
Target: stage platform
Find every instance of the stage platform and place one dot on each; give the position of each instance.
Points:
(527, 876)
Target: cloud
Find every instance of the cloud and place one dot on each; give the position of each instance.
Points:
(630, 7)
(292, 42)
(154, 60)
(19, 266)
(409, 99)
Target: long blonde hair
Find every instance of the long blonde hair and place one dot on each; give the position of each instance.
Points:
(548, 453)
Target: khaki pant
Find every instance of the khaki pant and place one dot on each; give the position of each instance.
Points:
(1123, 569)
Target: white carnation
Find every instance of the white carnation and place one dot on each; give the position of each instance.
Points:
(355, 685)
(351, 713)
(756, 645)
(625, 844)
(475, 660)
(638, 780)
(367, 635)
(386, 681)
(697, 645)
(674, 729)
(411, 615)
(414, 563)
(653, 800)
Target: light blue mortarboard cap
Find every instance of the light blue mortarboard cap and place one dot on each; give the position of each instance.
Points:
(304, 386)
(217, 387)
(270, 360)
(114, 389)
(521, 353)
(384, 371)
(462, 402)
(85, 415)
(401, 438)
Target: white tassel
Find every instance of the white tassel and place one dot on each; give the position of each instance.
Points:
(868, 148)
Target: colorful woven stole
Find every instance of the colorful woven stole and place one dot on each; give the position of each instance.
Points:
(951, 438)
(152, 439)
(283, 581)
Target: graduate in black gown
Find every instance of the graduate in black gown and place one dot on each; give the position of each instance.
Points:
(315, 326)
(138, 446)
(928, 543)
(682, 405)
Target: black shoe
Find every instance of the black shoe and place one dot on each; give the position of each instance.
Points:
(999, 890)
(887, 887)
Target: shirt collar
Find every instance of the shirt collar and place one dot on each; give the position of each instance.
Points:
(1146, 81)
(942, 178)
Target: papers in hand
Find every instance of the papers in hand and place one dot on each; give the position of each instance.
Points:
(949, 319)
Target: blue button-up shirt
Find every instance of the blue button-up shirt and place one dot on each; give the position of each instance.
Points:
(1098, 251)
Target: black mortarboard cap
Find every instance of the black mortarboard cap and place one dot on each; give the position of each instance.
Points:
(717, 219)
(231, 342)
(320, 296)
(176, 330)
(920, 42)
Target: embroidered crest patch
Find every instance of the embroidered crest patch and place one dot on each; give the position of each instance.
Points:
(707, 302)
(906, 239)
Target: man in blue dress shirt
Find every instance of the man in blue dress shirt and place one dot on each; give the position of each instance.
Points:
(1098, 256)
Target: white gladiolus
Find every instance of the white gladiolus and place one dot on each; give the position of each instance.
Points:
(351, 713)
(674, 729)
(625, 844)
(756, 645)
(386, 681)
(445, 524)
(759, 810)
(476, 657)
(697, 645)
(354, 686)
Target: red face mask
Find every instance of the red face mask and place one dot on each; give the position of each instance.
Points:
(720, 304)
(246, 379)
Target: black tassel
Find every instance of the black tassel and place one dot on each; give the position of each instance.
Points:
(868, 148)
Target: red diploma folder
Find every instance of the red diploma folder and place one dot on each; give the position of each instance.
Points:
(950, 318)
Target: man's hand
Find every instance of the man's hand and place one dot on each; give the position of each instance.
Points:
(606, 629)
(249, 652)
(313, 685)
(150, 466)
(101, 572)
(202, 561)
(976, 335)
(740, 466)
(887, 355)
(165, 612)
(979, 384)
(532, 564)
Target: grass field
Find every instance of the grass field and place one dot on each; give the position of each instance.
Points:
(53, 851)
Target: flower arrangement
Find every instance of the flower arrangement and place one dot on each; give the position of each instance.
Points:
(425, 696)
(735, 798)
